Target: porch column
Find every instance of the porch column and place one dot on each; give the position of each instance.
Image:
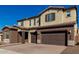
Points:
(23, 37)
(29, 37)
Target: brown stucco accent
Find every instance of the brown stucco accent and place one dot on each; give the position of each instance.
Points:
(72, 7)
(22, 36)
(49, 26)
(9, 27)
(53, 26)
(13, 36)
(19, 36)
(20, 27)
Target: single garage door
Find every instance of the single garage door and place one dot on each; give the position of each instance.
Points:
(55, 38)
(33, 38)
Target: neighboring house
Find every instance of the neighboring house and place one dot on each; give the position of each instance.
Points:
(54, 25)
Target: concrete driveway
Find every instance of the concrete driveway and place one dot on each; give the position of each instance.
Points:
(33, 49)
(71, 50)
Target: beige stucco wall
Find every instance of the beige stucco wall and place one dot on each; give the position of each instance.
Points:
(0, 37)
(32, 23)
(72, 17)
(75, 33)
(75, 30)
(26, 23)
(58, 17)
(19, 23)
(36, 22)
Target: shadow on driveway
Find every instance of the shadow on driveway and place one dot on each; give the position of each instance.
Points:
(71, 50)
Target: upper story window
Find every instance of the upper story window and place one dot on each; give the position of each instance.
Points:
(22, 23)
(68, 14)
(34, 21)
(50, 17)
(37, 20)
(30, 22)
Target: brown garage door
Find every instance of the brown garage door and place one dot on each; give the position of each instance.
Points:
(33, 38)
(55, 38)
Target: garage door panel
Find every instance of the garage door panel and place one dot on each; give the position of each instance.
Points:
(53, 38)
(33, 38)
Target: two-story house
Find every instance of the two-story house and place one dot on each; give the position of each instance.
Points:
(54, 25)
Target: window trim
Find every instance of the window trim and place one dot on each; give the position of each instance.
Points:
(50, 17)
(68, 13)
(34, 21)
(29, 22)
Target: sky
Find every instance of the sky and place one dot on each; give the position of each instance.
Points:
(9, 14)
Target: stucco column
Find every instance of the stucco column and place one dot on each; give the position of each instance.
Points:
(29, 37)
(75, 33)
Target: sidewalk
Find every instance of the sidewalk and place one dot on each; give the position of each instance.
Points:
(9, 44)
(3, 51)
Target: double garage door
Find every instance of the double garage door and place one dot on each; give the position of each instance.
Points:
(54, 38)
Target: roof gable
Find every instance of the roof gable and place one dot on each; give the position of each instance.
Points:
(49, 8)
